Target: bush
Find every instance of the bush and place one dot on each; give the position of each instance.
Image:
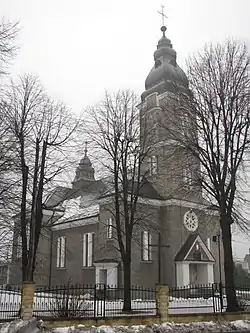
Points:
(71, 305)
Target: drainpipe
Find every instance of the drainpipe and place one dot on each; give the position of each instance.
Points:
(216, 239)
(50, 257)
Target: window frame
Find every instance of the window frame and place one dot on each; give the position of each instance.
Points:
(188, 176)
(153, 165)
(110, 227)
(61, 252)
(146, 249)
(87, 249)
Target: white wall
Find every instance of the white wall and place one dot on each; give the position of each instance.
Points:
(202, 274)
(210, 273)
(112, 276)
(182, 274)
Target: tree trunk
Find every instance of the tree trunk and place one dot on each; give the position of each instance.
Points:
(232, 304)
(127, 285)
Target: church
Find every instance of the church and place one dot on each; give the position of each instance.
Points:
(176, 248)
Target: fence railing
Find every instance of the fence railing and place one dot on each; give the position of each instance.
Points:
(83, 301)
(10, 302)
(196, 299)
(243, 297)
(102, 301)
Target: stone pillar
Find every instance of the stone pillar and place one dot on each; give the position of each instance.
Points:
(28, 290)
(162, 301)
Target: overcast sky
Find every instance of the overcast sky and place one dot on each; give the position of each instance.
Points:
(78, 48)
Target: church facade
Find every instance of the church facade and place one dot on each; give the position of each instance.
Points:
(175, 247)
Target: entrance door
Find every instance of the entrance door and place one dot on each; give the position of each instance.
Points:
(103, 276)
(193, 274)
(100, 293)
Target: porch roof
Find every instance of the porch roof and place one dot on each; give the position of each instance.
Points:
(188, 246)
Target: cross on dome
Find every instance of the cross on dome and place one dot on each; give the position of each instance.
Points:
(86, 147)
(163, 16)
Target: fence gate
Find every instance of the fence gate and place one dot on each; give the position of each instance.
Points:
(99, 300)
(217, 297)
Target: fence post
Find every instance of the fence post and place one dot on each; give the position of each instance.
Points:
(162, 301)
(27, 300)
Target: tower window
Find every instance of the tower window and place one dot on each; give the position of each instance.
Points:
(152, 101)
(19, 247)
(153, 165)
(110, 228)
(185, 123)
(187, 176)
(157, 63)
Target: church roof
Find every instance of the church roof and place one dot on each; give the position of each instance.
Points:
(59, 195)
(85, 213)
(106, 260)
(146, 190)
(188, 246)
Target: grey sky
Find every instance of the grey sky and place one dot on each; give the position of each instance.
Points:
(79, 48)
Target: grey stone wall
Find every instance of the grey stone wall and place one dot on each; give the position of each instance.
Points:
(74, 272)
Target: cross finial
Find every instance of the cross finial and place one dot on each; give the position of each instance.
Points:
(163, 16)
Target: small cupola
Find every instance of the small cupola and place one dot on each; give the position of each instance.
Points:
(85, 173)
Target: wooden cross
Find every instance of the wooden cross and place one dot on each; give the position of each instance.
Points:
(159, 247)
(162, 14)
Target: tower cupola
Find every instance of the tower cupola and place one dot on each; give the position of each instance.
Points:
(165, 75)
(85, 173)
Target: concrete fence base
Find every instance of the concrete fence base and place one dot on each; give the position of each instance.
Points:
(27, 300)
(162, 301)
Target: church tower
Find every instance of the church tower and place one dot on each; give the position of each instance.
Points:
(186, 226)
(167, 167)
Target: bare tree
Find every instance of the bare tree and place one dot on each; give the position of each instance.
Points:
(209, 129)
(115, 131)
(8, 46)
(43, 131)
(8, 49)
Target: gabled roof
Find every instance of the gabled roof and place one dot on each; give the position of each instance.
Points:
(188, 246)
(148, 191)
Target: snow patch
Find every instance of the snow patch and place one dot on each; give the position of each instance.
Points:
(163, 328)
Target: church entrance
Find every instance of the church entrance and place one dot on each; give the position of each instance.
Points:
(199, 274)
(193, 274)
(194, 263)
(103, 276)
(106, 273)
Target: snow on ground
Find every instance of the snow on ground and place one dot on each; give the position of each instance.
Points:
(163, 328)
(12, 326)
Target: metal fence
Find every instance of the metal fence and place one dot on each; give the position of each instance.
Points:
(10, 302)
(98, 301)
(196, 299)
(102, 301)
